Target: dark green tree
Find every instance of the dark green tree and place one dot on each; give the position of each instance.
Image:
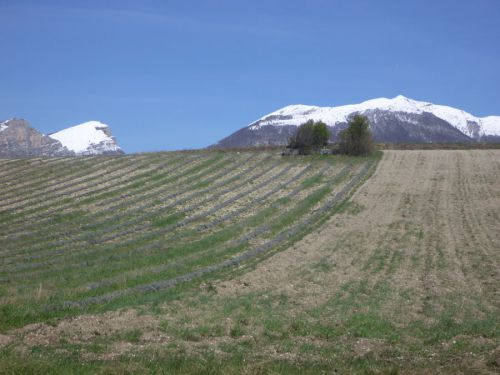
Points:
(321, 134)
(357, 138)
(310, 136)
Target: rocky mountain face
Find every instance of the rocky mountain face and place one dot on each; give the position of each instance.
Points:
(19, 139)
(397, 120)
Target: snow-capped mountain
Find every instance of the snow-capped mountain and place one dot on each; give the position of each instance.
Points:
(89, 138)
(399, 119)
(19, 139)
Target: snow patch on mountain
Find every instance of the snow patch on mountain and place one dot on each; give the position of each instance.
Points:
(461, 120)
(491, 125)
(89, 138)
(3, 126)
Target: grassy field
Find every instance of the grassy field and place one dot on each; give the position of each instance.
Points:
(248, 262)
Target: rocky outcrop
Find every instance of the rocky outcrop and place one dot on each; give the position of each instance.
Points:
(19, 139)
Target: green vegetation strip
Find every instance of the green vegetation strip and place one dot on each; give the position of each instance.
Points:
(114, 192)
(129, 226)
(140, 249)
(175, 247)
(91, 220)
(133, 242)
(282, 237)
(43, 207)
(64, 174)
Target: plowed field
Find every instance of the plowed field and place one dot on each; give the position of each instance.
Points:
(209, 262)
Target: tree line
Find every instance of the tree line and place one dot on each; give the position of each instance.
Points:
(355, 140)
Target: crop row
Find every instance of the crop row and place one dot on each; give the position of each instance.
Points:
(112, 216)
(129, 228)
(136, 250)
(169, 218)
(301, 223)
(107, 226)
(107, 191)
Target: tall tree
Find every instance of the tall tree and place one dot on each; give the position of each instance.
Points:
(310, 136)
(357, 138)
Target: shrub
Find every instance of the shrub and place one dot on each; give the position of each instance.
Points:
(310, 136)
(357, 138)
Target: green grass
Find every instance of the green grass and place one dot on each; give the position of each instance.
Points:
(131, 335)
(315, 180)
(167, 220)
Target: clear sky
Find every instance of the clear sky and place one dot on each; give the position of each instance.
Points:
(182, 74)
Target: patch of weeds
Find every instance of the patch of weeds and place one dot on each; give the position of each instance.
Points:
(201, 185)
(299, 327)
(156, 202)
(165, 326)
(396, 258)
(281, 299)
(96, 347)
(377, 260)
(67, 200)
(200, 332)
(350, 207)
(447, 326)
(275, 329)
(210, 287)
(136, 185)
(441, 261)
(369, 364)
(326, 330)
(324, 265)
(415, 260)
(245, 303)
(67, 217)
(237, 330)
(406, 294)
(133, 336)
(283, 200)
(43, 361)
(371, 326)
(228, 347)
(314, 180)
(308, 348)
(167, 220)
(189, 334)
(240, 347)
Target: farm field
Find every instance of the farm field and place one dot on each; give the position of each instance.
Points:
(248, 262)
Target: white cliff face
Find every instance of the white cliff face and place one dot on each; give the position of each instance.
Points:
(461, 120)
(89, 138)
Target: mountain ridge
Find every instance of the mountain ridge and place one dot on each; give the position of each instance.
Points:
(399, 119)
(19, 139)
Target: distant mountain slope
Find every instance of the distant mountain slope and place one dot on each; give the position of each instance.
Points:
(399, 119)
(19, 139)
(90, 138)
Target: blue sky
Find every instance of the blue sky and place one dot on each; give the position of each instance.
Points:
(182, 74)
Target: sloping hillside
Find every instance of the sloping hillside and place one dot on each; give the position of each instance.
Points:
(401, 278)
(98, 231)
